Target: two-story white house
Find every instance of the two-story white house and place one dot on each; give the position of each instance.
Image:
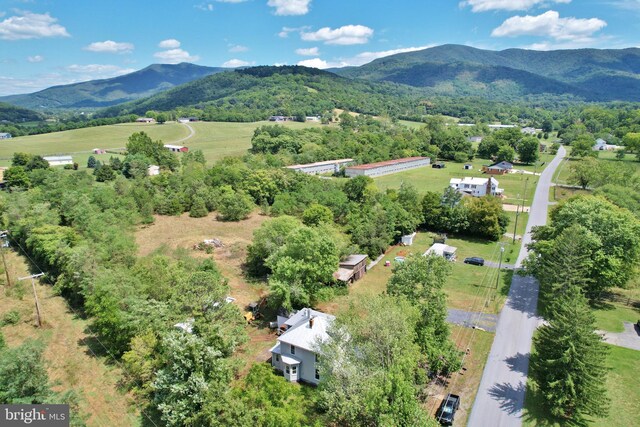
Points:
(295, 353)
(476, 187)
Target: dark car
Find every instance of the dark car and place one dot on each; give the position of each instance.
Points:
(438, 165)
(474, 260)
(447, 409)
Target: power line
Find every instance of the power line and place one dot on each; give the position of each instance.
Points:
(87, 325)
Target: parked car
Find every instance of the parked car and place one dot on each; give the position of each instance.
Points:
(474, 260)
(438, 165)
(447, 409)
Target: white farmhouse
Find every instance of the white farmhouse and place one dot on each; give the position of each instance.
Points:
(476, 187)
(296, 354)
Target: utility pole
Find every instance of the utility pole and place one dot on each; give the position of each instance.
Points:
(515, 227)
(3, 235)
(499, 266)
(35, 295)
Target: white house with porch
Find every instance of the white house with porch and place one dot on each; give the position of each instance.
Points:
(295, 353)
(476, 187)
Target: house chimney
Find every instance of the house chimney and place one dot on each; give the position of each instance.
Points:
(311, 322)
(489, 192)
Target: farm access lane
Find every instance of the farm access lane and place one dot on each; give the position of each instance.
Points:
(500, 397)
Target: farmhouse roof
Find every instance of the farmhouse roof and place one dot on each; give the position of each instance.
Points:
(353, 260)
(57, 158)
(326, 162)
(306, 329)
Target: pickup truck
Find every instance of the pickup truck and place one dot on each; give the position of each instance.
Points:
(447, 409)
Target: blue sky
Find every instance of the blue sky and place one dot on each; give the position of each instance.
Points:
(50, 42)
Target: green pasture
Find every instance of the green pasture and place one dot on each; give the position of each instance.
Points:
(610, 317)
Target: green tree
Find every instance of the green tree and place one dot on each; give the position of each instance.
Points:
(23, 376)
(104, 173)
(267, 240)
(505, 154)
(91, 162)
(369, 368)
(583, 172)
(432, 211)
(583, 147)
(568, 365)
(421, 279)
(528, 150)
(232, 205)
(16, 177)
(486, 217)
(20, 159)
(198, 208)
(317, 214)
(135, 166)
(36, 162)
(359, 188)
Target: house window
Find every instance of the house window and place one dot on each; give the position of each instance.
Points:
(286, 369)
(317, 358)
(293, 349)
(294, 370)
(277, 358)
(317, 374)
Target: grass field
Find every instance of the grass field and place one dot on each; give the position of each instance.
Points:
(215, 139)
(622, 389)
(68, 354)
(429, 179)
(611, 317)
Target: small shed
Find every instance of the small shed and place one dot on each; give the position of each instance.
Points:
(407, 240)
(440, 249)
(99, 151)
(145, 120)
(5, 135)
(153, 170)
(176, 148)
(351, 269)
(468, 166)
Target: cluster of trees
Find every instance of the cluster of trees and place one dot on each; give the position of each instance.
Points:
(75, 122)
(505, 144)
(383, 351)
(474, 216)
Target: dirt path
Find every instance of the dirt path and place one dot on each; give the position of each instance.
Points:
(192, 132)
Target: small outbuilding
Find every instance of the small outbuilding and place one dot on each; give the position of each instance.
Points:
(99, 151)
(440, 249)
(351, 269)
(145, 120)
(153, 170)
(5, 135)
(407, 240)
(468, 166)
(176, 148)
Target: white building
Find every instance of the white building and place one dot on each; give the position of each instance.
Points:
(176, 148)
(529, 131)
(476, 187)
(59, 160)
(145, 120)
(153, 170)
(329, 166)
(296, 354)
(5, 135)
(407, 240)
(387, 167)
(440, 249)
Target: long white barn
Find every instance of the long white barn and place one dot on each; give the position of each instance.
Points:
(329, 166)
(387, 167)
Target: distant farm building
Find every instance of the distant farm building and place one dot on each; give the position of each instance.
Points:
(351, 269)
(329, 166)
(529, 131)
(176, 148)
(476, 139)
(468, 166)
(312, 118)
(188, 119)
(99, 151)
(438, 165)
(440, 249)
(59, 160)
(145, 120)
(387, 167)
(499, 168)
(5, 135)
(280, 119)
(153, 170)
(602, 145)
(476, 187)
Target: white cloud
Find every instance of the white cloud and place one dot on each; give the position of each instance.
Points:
(290, 7)
(284, 33)
(31, 26)
(549, 24)
(234, 63)
(175, 56)
(237, 48)
(357, 60)
(36, 58)
(316, 63)
(486, 5)
(109, 46)
(312, 51)
(207, 7)
(169, 44)
(633, 5)
(346, 35)
(99, 70)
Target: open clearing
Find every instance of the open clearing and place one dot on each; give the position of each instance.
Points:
(68, 355)
(622, 388)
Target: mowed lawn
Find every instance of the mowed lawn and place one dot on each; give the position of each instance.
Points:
(430, 179)
(622, 387)
(611, 317)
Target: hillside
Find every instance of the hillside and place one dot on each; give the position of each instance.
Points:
(587, 74)
(11, 113)
(255, 93)
(103, 93)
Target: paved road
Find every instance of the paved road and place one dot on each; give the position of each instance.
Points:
(630, 338)
(471, 319)
(501, 393)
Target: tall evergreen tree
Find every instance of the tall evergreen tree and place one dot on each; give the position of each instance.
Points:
(569, 361)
